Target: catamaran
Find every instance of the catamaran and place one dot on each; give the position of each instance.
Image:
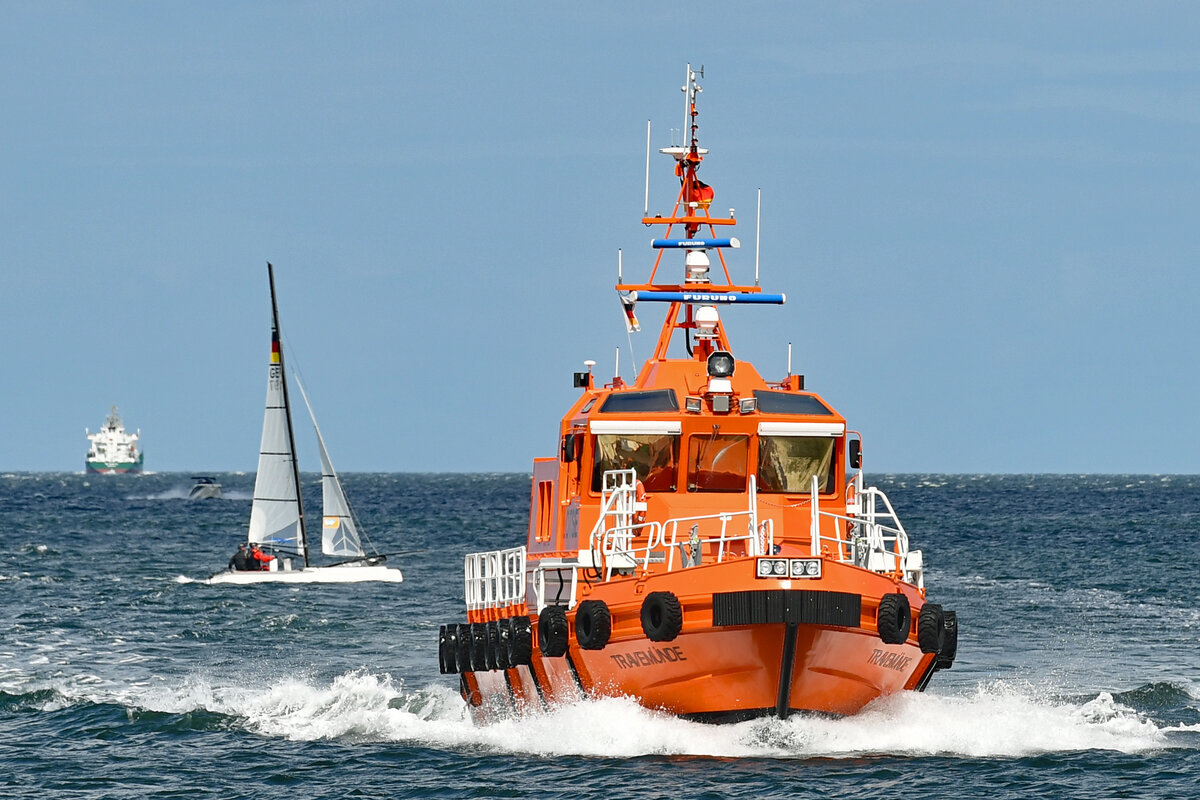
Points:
(277, 522)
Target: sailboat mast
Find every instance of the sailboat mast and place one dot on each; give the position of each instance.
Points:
(287, 413)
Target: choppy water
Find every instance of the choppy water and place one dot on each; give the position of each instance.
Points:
(1078, 672)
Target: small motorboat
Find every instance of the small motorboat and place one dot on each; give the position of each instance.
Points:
(204, 488)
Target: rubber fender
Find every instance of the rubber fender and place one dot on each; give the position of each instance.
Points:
(504, 634)
(662, 616)
(447, 640)
(493, 644)
(520, 644)
(553, 631)
(593, 624)
(462, 646)
(930, 628)
(895, 618)
(479, 642)
(949, 649)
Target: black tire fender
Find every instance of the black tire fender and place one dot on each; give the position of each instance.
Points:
(662, 616)
(949, 649)
(520, 644)
(447, 639)
(895, 618)
(479, 646)
(553, 631)
(462, 647)
(492, 628)
(504, 643)
(931, 632)
(593, 624)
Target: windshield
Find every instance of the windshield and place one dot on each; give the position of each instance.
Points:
(717, 463)
(788, 463)
(655, 457)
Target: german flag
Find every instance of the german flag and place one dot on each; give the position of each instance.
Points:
(274, 347)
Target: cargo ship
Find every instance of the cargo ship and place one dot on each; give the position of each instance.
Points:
(113, 451)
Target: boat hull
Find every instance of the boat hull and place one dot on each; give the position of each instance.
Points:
(725, 676)
(115, 467)
(751, 649)
(335, 574)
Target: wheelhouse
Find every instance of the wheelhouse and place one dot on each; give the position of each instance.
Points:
(783, 441)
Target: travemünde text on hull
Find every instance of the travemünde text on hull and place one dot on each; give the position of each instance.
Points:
(704, 541)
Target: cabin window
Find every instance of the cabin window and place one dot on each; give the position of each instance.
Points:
(626, 402)
(545, 510)
(717, 463)
(655, 457)
(788, 403)
(788, 463)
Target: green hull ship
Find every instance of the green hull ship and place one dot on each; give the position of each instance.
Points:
(112, 451)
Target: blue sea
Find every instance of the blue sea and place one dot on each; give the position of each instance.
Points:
(122, 675)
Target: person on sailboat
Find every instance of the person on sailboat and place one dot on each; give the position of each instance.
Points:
(241, 560)
(259, 559)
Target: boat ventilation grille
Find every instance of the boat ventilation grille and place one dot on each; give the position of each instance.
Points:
(802, 606)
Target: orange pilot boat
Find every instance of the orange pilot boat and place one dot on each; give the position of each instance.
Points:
(704, 542)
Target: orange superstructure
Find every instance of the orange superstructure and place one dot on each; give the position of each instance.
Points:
(704, 541)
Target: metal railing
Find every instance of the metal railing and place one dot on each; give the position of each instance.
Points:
(875, 538)
(555, 582)
(495, 579)
(612, 548)
(869, 535)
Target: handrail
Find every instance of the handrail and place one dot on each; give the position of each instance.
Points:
(874, 538)
(494, 579)
(612, 547)
(870, 543)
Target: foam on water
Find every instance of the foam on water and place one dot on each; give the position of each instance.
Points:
(182, 493)
(992, 722)
(997, 720)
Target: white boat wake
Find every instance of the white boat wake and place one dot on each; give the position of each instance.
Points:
(996, 721)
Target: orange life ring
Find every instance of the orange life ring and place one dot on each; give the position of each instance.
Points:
(639, 496)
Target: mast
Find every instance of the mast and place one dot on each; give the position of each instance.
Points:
(696, 293)
(287, 413)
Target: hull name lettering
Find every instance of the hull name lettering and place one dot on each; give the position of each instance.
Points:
(895, 661)
(648, 658)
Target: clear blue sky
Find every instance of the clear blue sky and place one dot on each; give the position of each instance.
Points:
(983, 214)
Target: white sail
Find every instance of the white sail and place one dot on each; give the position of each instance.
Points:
(339, 534)
(275, 513)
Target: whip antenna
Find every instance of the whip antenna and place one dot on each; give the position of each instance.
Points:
(646, 209)
(757, 237)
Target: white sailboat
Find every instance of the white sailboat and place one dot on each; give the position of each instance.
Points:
(277, 522)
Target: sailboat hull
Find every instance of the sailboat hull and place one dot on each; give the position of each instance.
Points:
(342, 573)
